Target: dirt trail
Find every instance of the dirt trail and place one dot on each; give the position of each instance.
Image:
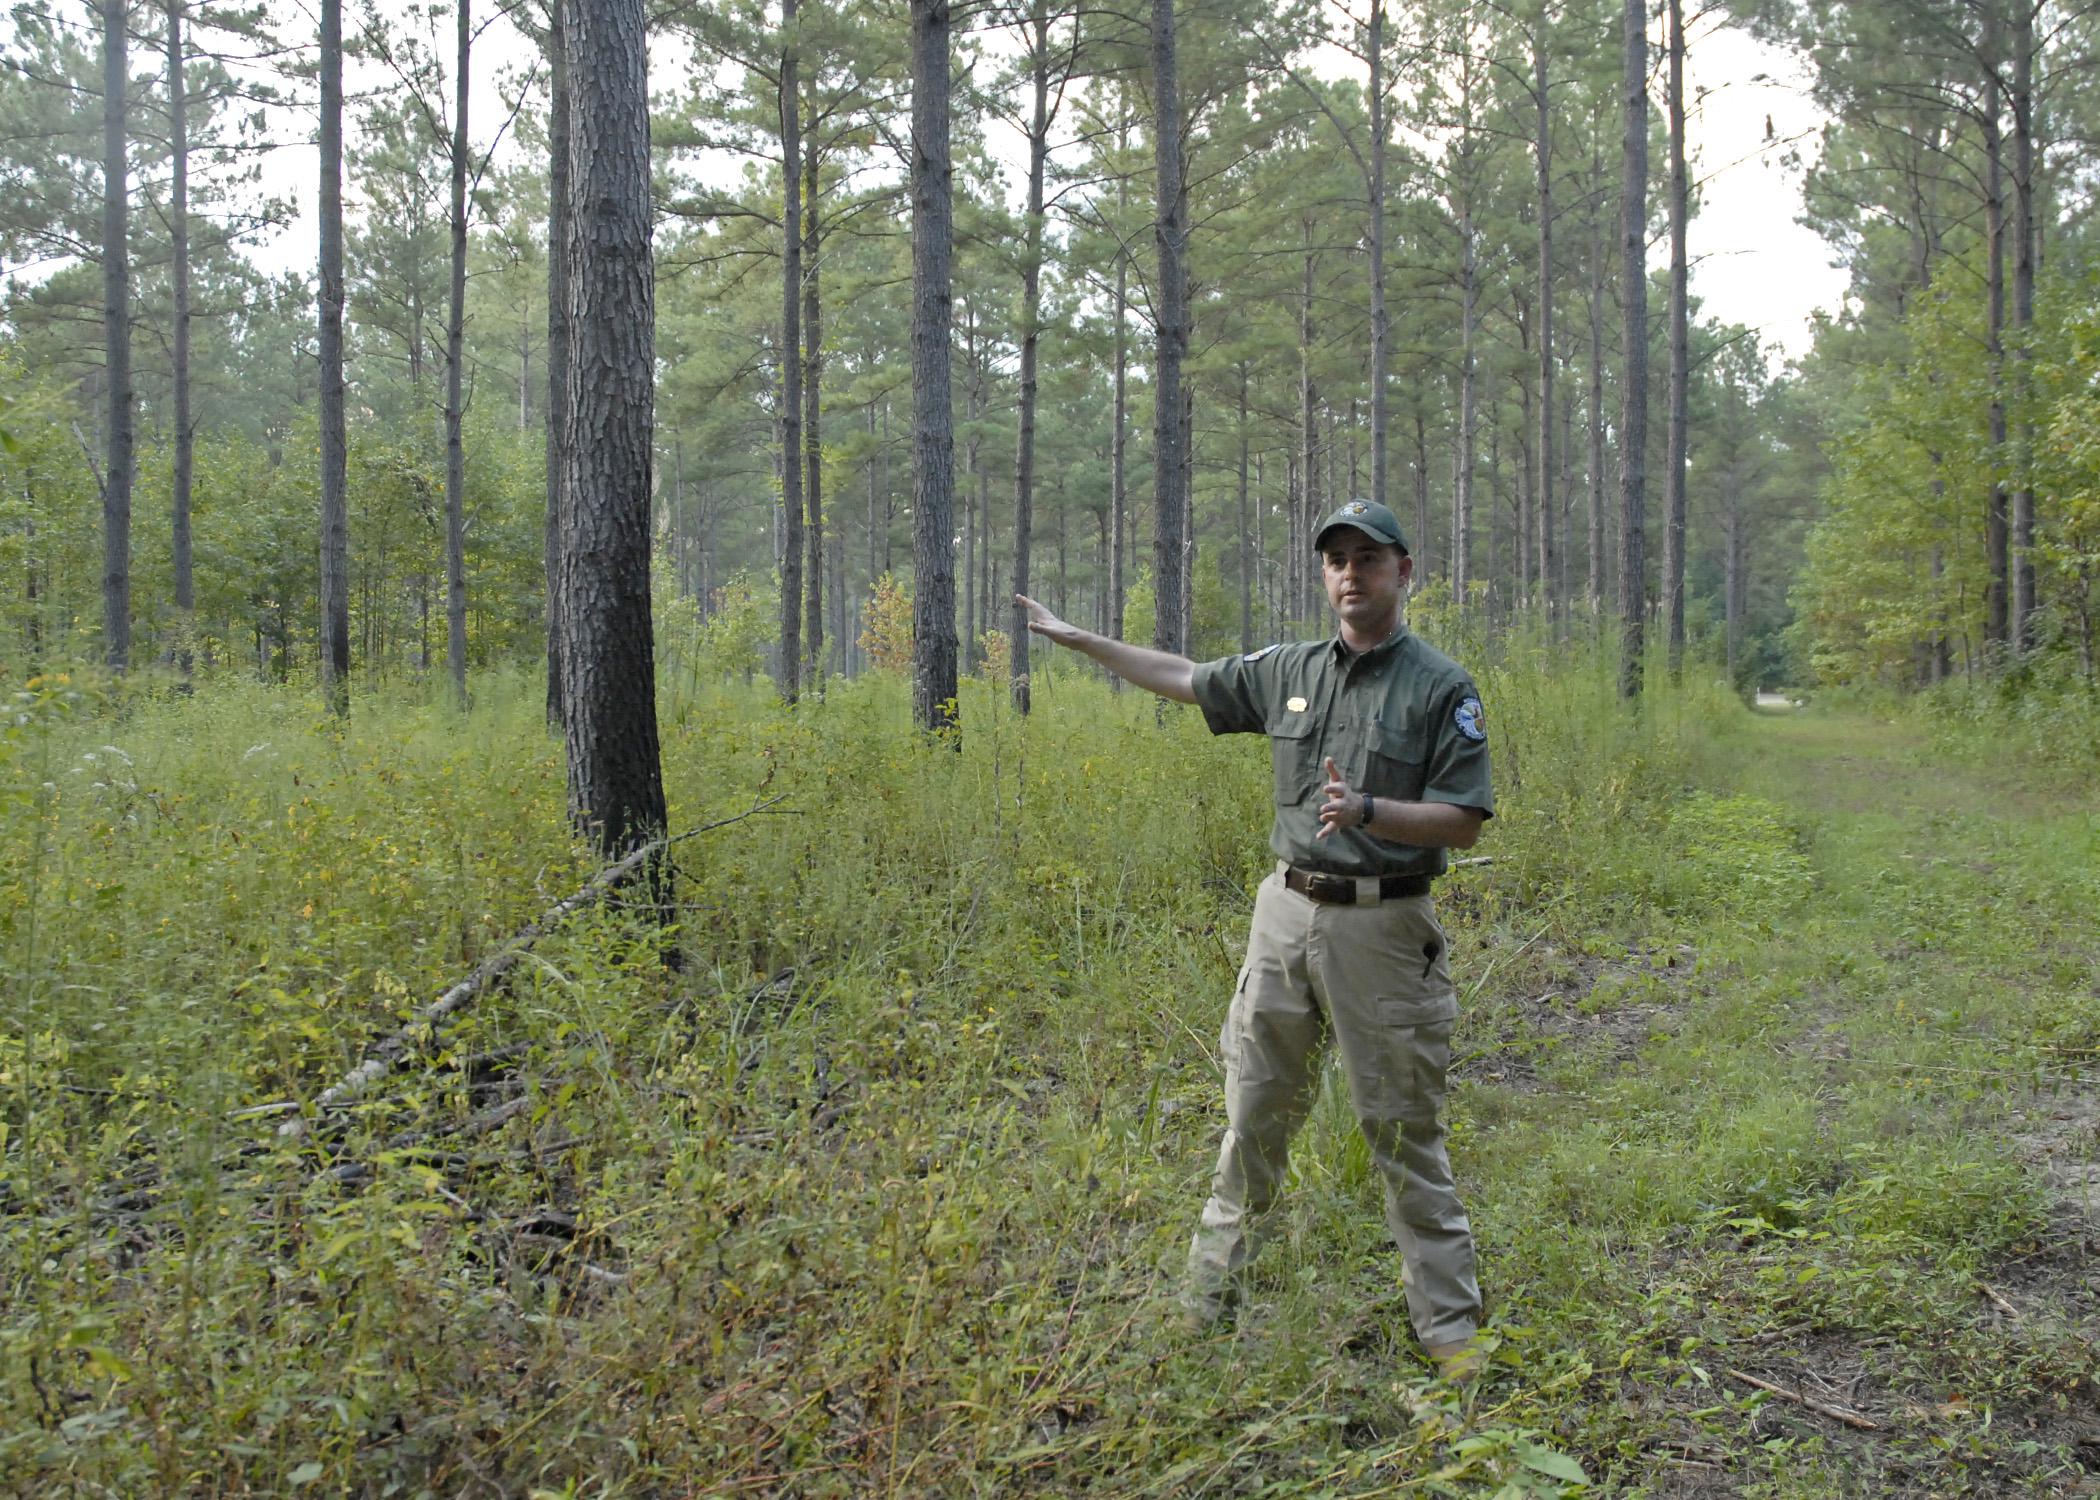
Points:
(1937, 994)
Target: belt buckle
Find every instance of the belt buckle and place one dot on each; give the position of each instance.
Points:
(1331, 888)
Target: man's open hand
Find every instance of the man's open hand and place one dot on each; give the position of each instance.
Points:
(1043, 623)
(1343, 807)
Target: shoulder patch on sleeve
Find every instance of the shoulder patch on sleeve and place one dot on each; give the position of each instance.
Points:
(1258, 655)
(1471, 720)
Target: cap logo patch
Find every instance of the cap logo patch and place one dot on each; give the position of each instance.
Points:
(1355, 508)
(1296, 705)
(1471, 719)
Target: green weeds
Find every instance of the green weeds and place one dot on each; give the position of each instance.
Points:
(886, 1191)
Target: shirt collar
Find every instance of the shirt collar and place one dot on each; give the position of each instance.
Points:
(1339, 650)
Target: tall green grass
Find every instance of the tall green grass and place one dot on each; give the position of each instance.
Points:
(884, 1191)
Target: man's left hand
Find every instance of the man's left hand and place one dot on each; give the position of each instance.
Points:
(1343, 807)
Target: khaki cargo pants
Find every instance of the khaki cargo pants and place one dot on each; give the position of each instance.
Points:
(1374, 976)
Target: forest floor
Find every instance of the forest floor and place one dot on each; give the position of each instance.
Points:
(1776, 1104)
(1916, 1278)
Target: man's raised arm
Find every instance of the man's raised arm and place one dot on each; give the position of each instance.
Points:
(1158, 672)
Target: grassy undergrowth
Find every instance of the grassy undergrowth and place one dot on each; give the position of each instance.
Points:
(885, 1190)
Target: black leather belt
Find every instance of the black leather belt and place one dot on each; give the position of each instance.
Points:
(1340, 890)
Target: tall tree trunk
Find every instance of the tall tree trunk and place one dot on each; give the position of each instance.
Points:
(981, 479)
(557, 335)
(1119, 442)
(615, 773)
(1594, 414)
(1680, 354)
(1186, 492)
(1246, 564)
(116, 332)
(812, 429)
(455, 369)
(1381, 325)
(2024, 599)
(972, 525)
(1520, 596)
(1298, 564)
(1542, 488)
(335, 508)
(1468, 399)
(1732, 579)
(933, 417)
(179, 238)
(1633, 290)
(1031, 334)
(1421, 489)
(1170, 313)
(790, 362)
(1997, 612)
(1564, 525)
(875, 515)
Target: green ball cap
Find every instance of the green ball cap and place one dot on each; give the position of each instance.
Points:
(1367, 516)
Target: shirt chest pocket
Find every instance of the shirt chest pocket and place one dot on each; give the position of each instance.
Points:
(1395, 765)
(1295, 750)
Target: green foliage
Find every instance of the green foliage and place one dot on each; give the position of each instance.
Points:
(898, 1169)
(731, 640)
(1734, 855)
(887, 635)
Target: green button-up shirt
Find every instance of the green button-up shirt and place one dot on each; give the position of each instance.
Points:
(1402, 721)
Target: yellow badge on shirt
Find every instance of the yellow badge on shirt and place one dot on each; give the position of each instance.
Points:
(1296, 705)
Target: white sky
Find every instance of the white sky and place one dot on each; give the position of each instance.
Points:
(1751, 262)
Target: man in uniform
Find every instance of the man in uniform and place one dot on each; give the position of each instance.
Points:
(1381, 765)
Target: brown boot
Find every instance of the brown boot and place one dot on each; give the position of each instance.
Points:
(1460, 1361)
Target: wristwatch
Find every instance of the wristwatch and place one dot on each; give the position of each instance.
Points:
(1366, 823)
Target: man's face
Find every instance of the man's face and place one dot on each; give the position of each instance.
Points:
(1364, 578)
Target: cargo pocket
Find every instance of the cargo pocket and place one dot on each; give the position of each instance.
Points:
(1229, 1033)
(1416, 988)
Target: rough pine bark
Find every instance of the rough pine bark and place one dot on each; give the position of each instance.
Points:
(455, 372)
(812, 428)
(1297, 565)
(790, 363)
(2024, 598)
(1246, 564)
(1119, 443)
(1031, 338)
(335, 507)
(1468, 403)
(1542, 489)
(179, 247)
(876, 520)
(1633, 294)
(557, 336)
(116, 332)
(1421, 536)
(1593, 415)
(615, 778)
(1996, 530)
(1170, 330)
(1381, 323)
(933, 416)
(1680, 355)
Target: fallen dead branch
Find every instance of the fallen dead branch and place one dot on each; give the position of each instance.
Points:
(387, 1052)
(1997, 1299)
(1822, 1408)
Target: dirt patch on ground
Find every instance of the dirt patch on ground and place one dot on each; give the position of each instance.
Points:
(1567, 1005)
(1886, 1437)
